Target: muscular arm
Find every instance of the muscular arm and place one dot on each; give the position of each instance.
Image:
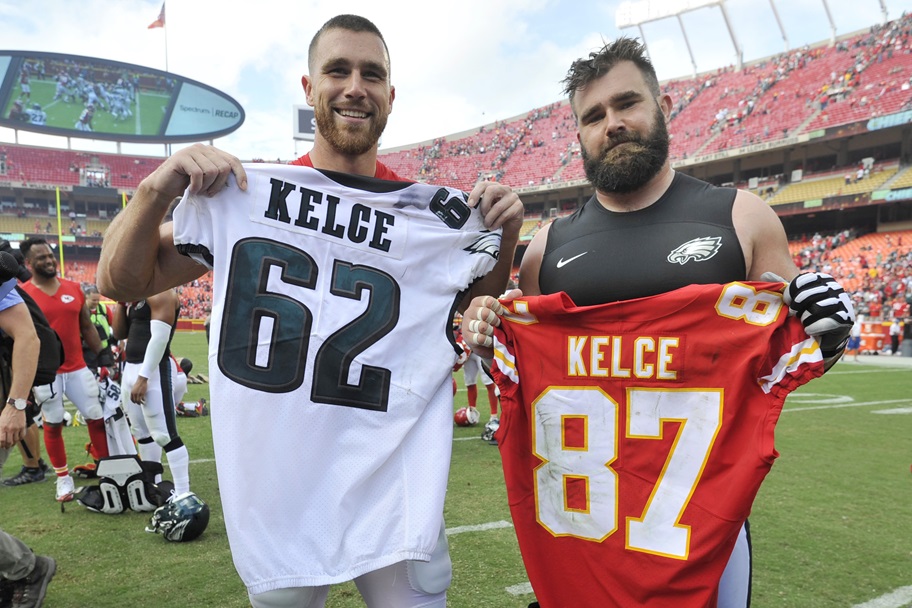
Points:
(531, 263)
(163, 312)
(138, 257)
(766, 250)
(164, 306)
(89, 333)
(762, 238)
(119, 324)
(17, 323)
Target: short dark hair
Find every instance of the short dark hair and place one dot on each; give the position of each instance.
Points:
(26, 245)
(585, 70)
(352, 23)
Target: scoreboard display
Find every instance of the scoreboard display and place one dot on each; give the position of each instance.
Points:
(91, 98)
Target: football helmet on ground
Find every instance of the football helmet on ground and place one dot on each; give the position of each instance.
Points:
(466, 416)
(182, 518)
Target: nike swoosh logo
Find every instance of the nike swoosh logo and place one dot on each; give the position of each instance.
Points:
(562, 262)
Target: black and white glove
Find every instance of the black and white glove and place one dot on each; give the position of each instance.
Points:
(824, 308)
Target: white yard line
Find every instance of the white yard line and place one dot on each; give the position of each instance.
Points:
(520, 589)
(491, 525)
(842, 405)
(898, 598)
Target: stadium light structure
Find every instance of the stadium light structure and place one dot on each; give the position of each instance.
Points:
(883, 12)
(826, 7)
(779, 23)
(636, 13)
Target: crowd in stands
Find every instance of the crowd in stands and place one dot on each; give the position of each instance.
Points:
(195, 297)
(483, 154)
(60, 167)
(875, 269)
(862, 76)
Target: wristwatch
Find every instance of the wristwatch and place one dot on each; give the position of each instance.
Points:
(19, 404)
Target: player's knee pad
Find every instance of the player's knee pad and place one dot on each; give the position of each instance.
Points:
(291, 597)
(82, 389)
(434, 576)
(52, 411)
(45, 393)
(162, 438)
(91, 410)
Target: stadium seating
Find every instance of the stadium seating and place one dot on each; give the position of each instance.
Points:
(62, 167)
(834, 185)
(869, 267)
(903, 179)
(789, 100)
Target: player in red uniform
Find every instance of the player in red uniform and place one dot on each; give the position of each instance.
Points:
(63, 303)
(649, 230)
(85, 119)
(25, 85)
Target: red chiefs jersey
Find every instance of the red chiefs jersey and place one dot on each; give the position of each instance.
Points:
(62, 311)
(635, 435)
(381, 172)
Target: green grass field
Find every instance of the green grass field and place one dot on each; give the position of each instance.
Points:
(832, 526)
(148, 111)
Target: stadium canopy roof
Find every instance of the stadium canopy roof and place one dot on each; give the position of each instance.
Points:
(634, 13)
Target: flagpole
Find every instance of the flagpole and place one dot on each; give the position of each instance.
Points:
(162, 22)
(165, 27)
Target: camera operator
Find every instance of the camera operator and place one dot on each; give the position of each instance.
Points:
(17, 375)
(24, 576)
(33, 467)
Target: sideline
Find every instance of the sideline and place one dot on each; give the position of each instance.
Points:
(898, 598)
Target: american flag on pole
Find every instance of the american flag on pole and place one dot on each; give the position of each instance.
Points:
(160, 22)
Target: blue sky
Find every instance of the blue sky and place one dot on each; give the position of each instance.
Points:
(455, 65)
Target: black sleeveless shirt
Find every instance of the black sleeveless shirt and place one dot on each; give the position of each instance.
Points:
(686, 237)
(139, 332)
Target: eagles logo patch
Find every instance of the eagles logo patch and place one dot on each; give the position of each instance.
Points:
(698, 250)
(488, 242)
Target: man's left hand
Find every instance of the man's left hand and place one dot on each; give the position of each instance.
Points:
(824, 308)
(138, 393)
(12, 426)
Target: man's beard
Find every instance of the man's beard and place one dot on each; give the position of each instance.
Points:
(45, 272)
(345, 140)
(630, 167)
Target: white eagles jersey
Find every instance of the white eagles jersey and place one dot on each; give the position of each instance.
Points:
(330, 361)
